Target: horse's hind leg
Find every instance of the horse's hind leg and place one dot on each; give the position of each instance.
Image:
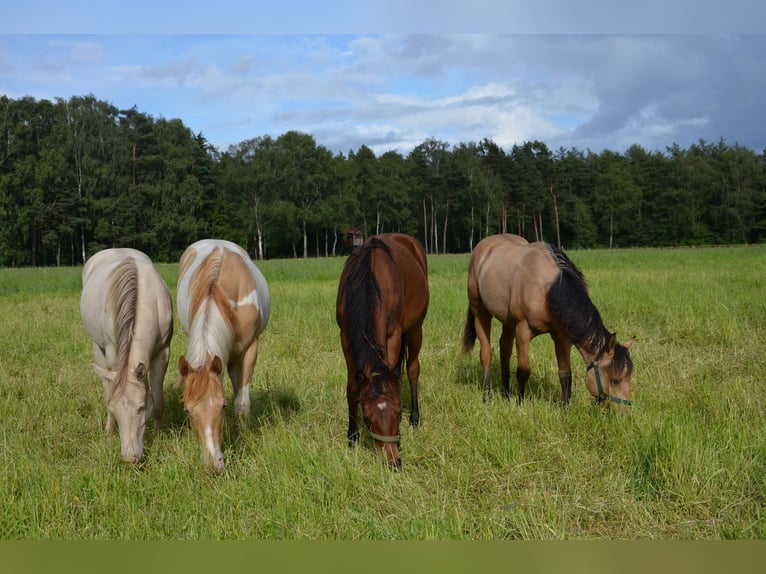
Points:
(483, 323)
(523, 337)
(506, 350)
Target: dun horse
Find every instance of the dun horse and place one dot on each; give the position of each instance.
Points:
(382, 302)
(127, 311)
(223, 305)
(533, 289)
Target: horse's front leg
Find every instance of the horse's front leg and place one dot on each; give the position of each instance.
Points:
(563, 348)
(523, 337)
(241, 374)
(157, 370)
(110, 423)
(99, 355)
(414, 340)
(352, 397)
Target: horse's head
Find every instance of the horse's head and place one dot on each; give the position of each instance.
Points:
(608, 375)
(382, 412)
(204, 405)
(126, 402)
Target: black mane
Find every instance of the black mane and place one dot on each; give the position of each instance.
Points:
(362, 298)
(571, 307)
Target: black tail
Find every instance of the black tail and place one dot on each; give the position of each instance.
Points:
(469, 332)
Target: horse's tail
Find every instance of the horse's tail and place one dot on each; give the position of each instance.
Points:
(469, 332)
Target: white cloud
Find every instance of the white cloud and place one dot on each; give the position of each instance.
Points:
(393, 91)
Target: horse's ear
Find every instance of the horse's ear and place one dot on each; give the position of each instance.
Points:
(629, 343)
(105, 374)
(140, 371)
(612, 343)
(183, 366)
(216, 365)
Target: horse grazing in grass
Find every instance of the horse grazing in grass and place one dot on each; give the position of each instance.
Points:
(382, 302)
(127, 311)
(223, 306)
(533, 289)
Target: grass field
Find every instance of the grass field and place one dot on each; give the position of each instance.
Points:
(690, 463)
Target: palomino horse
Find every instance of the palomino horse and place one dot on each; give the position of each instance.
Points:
(382, 301)
(223, 306)
(533, 289)
(127, 311)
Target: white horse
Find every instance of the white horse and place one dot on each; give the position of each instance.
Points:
(223, 305)
(128, 312)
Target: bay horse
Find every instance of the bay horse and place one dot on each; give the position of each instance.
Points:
(128, 313)
(382, 301)
(534, 288)
(223, 306)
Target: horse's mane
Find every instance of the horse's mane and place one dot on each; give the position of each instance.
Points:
(196, 387)
(208, 335)
(571, 307)
(362, 297)
(123, 298)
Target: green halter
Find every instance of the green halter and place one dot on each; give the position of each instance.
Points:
(603, 395)
(383, 438)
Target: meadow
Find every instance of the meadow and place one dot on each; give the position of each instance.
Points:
(688, 463)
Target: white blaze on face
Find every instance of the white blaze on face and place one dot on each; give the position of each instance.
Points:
(211, 448)
(382, 405)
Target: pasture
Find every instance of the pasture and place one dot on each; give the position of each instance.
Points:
(689, 463)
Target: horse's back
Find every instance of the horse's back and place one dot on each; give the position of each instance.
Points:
(510, 276)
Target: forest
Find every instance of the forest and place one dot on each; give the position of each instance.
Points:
(78, 175)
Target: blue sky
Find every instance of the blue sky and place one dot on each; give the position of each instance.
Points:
(393, 76)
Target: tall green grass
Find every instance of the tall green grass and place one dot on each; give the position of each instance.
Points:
(689, 463)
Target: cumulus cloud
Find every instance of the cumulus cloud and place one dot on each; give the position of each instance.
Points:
(393, 91)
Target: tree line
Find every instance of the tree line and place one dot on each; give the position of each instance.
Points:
(78, 175)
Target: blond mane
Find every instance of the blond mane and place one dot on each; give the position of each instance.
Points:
(213, 324)
(123, 298)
